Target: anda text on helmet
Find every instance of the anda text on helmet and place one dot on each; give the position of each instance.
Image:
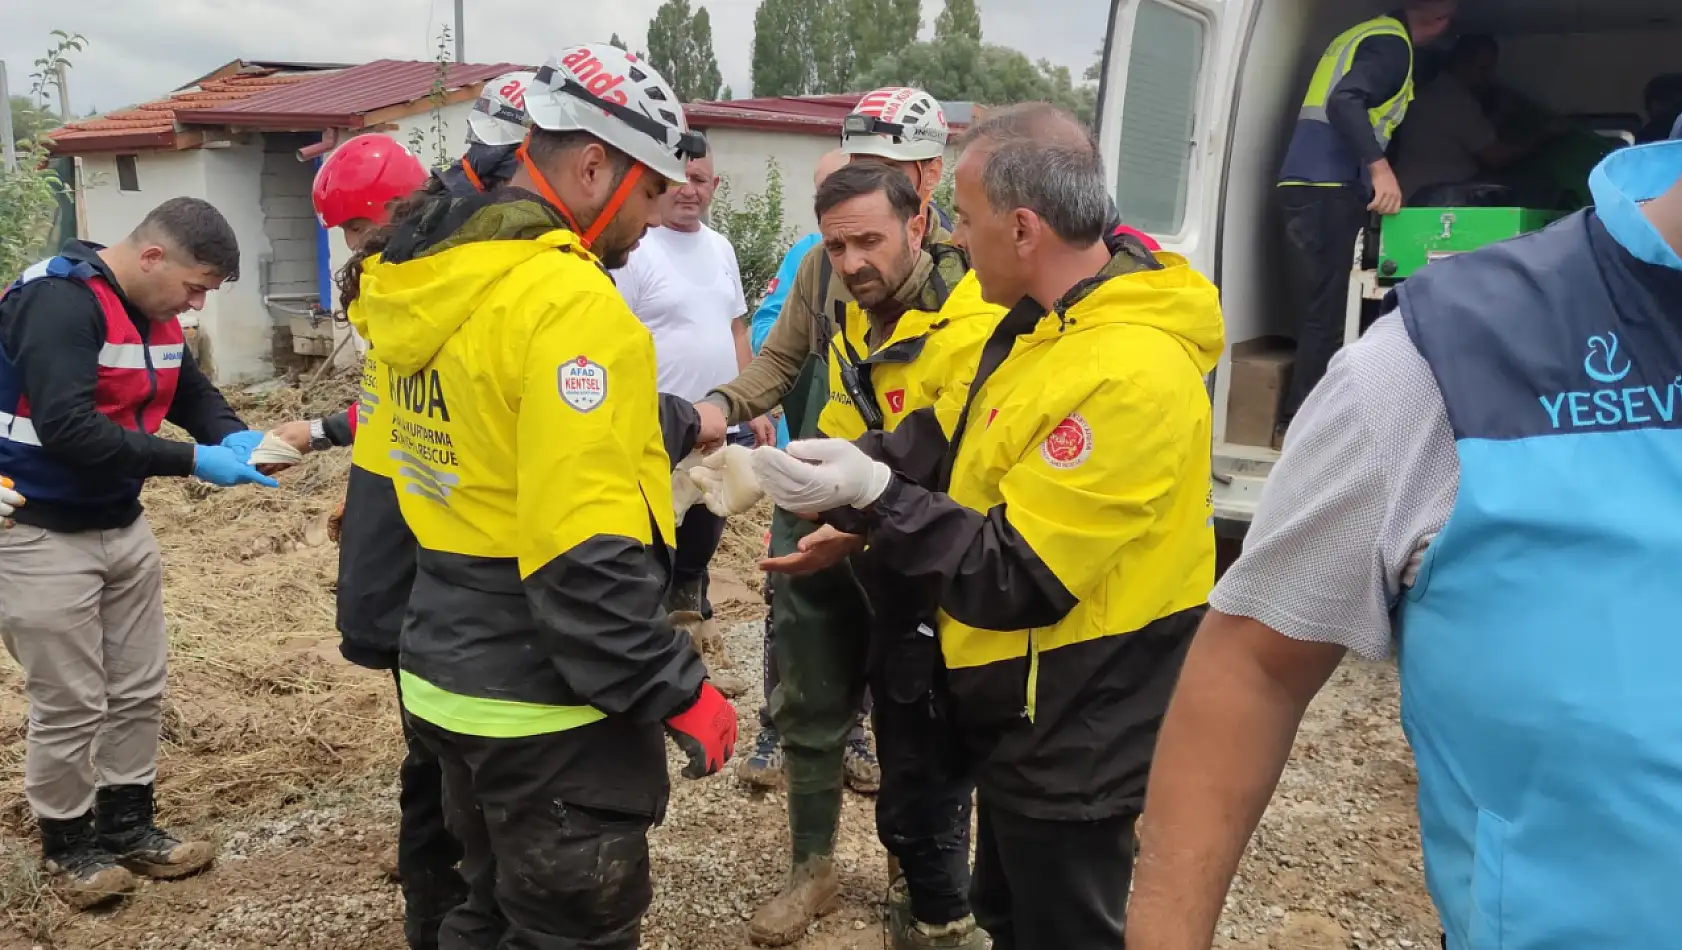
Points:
(499, 116)
(620, 100)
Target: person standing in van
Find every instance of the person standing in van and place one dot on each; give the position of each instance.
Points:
(1335, 172)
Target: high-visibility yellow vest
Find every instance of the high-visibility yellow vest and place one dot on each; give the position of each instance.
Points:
(1335, 64)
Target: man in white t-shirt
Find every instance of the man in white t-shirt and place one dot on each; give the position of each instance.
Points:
(684, 284)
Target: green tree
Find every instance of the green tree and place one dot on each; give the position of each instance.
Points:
(872, 30)
(755, 228)
(680, 46)
(958, 21)
(965, 70)
(29, 193)
(709, 82)
(616, 41)
(29, 119)
(784, 59)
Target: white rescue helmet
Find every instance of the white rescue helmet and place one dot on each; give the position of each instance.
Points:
(499, 116)
(896, 123)
(619, 99)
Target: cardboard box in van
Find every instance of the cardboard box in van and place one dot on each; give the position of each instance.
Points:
(1261, 374)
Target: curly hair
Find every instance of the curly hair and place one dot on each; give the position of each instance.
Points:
(350, 276)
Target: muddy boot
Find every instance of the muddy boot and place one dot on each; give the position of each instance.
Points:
(763, 768)
(83, 873)
(864, 773)
(812, 891)
(906, 932)
(685, 597)
(127, 830)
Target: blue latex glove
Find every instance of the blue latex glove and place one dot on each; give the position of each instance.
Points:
(243, 443)
(220, 465)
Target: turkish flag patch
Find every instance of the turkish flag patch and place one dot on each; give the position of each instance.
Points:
(896, 400)
(1069, 444)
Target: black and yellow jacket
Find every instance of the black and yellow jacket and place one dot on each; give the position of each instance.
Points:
(1066, 524)
(530, 463)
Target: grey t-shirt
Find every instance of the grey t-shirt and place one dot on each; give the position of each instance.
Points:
(1367, 478)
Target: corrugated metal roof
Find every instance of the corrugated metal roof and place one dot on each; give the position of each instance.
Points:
(810, 115)
(153, 124)
(342, 99)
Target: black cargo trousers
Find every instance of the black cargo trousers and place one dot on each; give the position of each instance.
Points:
(554, 834)
(925, 803)
(376, 573)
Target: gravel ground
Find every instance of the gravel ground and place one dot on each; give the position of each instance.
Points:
(1335, 865)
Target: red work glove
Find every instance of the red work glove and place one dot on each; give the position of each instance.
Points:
(706, 732)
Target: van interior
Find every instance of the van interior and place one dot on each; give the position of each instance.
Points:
(1231, 75)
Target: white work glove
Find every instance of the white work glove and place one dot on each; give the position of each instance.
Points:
(685, 493)
(10, 500)
(817, 475)
(274, 450)
(727, 482)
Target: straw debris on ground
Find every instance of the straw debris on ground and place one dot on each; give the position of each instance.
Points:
(287, 755)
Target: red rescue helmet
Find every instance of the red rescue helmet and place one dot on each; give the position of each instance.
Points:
(362, 177)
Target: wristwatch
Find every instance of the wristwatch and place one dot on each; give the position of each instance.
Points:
(318, 436)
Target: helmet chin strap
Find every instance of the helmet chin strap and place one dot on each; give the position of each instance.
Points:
(615, 201)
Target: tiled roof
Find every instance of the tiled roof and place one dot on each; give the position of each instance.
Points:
(811, 115)
(344, 99)
(153, 124)
(268, 98)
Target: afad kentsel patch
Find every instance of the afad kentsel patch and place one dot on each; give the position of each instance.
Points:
(1069, 444)
(583, 383)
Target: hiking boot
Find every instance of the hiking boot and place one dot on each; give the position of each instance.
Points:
(83, 873)
(127, 830)
(812, 891)
(858, 760)
(763, 768)
(906, 932)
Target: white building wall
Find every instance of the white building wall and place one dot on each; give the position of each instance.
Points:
(740, 157)
(112, 213)
(236, 335)
(454, 125)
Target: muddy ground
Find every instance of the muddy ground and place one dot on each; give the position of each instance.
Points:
(287, 755)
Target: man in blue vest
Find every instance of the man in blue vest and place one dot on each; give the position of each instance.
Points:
(92, 362)
(1487, 482)
(1335, 172)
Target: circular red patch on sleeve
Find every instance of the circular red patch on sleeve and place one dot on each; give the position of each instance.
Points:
(1069, 444)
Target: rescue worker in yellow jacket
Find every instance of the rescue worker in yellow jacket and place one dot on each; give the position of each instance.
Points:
(883, 365)
(537, 661)
(1060, 514)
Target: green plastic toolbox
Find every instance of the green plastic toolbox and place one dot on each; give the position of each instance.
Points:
(1417, 236)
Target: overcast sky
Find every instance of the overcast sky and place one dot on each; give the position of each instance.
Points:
(140, 50)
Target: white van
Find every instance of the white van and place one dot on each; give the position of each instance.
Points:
(1199, 99)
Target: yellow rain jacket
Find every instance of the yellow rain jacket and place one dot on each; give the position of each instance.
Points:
(1073, 542)
(926, 355)
(529, 462)
(376, 549)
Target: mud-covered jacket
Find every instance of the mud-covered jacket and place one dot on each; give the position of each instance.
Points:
(1067, 526)
(531, 466)
(770, 376)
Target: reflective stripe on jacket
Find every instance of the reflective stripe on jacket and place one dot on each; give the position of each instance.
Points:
(136, 385)
(1318, 154)
(529, 462)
